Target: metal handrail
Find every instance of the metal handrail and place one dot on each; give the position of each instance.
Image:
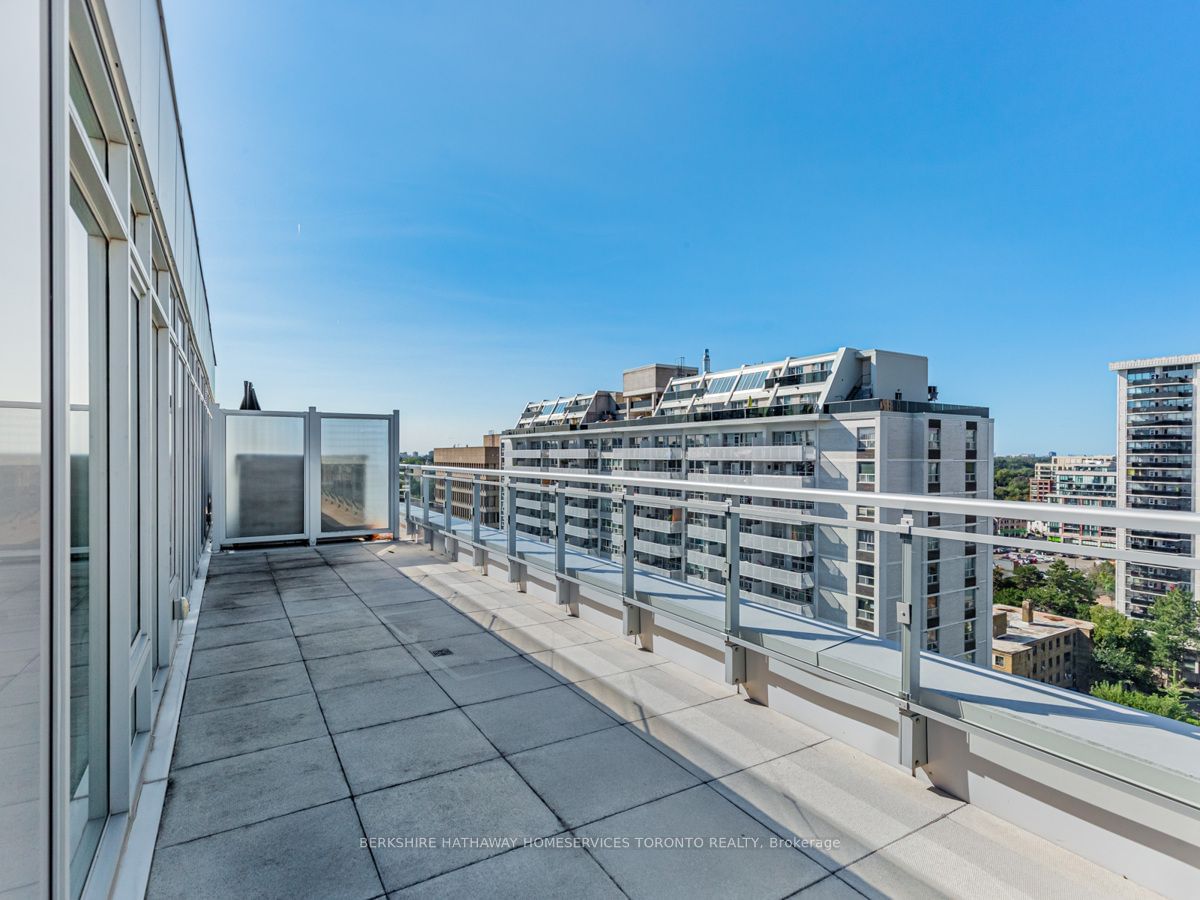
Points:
(1137, 519)
(912, 709)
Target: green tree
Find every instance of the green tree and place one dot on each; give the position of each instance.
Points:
(1104, 578)
(1011, 588)
(1169, 704)
(1061, 589)
(1011, 474)
(1121, 649)
(1173, 627)
(1069, 590)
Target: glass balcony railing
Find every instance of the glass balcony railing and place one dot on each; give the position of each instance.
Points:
(930, 653)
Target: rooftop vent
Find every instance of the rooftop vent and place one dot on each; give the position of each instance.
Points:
(249, 398)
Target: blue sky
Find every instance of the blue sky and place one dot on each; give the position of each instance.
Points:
(453, 208)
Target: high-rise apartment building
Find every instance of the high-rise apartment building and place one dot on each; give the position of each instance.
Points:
(1156, 467)
(858, 421)
(1078, 481)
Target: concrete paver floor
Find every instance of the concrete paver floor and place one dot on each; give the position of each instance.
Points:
(364, 720)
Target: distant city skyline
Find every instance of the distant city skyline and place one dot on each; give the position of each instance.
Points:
(433, 208)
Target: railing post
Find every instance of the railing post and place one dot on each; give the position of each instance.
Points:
(394, 473)
(475, 510)
(408, 522)
(510, 504)
(562, 586)
(312, 466)
(426, 502)
(478, 553)
(733, 520)
(631, 616)
(735, 654)
(560, 530)
(911, 616)
(683, 519)
(448, 516)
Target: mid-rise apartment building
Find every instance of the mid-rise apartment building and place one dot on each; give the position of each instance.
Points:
(858, 421)
(1041, 485)
(485, 456)
(1156, 468)
(1077, 481)
(1052, 649)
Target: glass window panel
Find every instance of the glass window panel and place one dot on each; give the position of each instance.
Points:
(135, 596)
(721, 385)
(86, 334)
(752, 381)
(23, 688)
(264, 476)
(354, 474)
(88, 117)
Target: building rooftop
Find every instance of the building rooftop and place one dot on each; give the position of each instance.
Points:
(845, 380)
(1019, 633)
(1188, 360)
(371, 717)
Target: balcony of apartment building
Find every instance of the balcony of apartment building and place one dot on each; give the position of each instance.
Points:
(698, 528)
(504, 629)
(582, 508)
(584, 533)
(570, 453)
(783, 573)
(665, 544)
(1172, 501)
(664, 520)
(708, 555)
(754, 451)
(763, 536)
(646, 452)
(729, 475)
(790, 379)
(1165, 376)
(467, 710)
(1172, 470)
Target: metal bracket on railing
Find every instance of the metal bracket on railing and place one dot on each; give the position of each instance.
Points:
(735, 663)
(914, 739)
(631, 619)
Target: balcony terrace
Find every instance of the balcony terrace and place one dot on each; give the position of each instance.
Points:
(1080, 772)
(370, 718)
